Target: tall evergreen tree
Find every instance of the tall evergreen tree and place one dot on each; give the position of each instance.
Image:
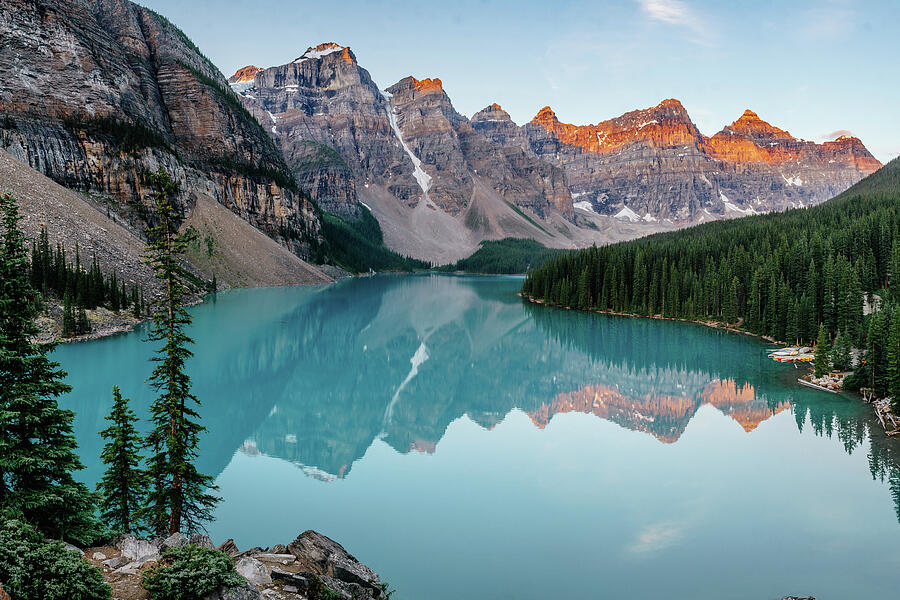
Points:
(179, 497)
(894, 360)
(823, 354)
(123, 487)
(840, 352)
(37, 445)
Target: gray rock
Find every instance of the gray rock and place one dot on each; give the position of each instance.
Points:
(303, 581)
(300, 580)
(67, 546)
(98, 556)
(247, 592)
(72, 548)
(229, 548)
(115, 563)
(253, 571)
(334, 560)
(176, 540)
(198, 539)
(135, 548)
(128, 569)
(282, 559)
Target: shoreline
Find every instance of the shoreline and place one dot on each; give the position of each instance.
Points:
(658, 317)
(880, 406)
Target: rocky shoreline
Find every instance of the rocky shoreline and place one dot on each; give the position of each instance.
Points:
(312, 566)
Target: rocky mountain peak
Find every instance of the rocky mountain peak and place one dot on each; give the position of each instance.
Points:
(545, 115)
(327, 49)
(673, 107)
(427, 85)
(750, 125)
(494, 112)
(245, 74)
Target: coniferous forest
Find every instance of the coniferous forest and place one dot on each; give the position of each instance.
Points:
(54, 274)
(834, 266)
(40, 498)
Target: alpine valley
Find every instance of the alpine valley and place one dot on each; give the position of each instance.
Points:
(94, 94)
(496, 359)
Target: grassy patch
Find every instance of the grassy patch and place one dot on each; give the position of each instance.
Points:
(527, 218)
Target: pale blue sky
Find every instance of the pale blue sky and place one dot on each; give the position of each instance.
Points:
(813, 67)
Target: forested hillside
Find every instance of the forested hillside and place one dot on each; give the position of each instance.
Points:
(509, 256)
(780, 275)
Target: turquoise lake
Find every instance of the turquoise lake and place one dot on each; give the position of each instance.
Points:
(465, 445)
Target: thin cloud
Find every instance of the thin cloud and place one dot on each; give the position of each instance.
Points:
(656, 537)
(678, 14)
(829, 20)
(836, 134)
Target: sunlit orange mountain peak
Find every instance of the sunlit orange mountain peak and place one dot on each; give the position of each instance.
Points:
(663, 416)
(327, 49)
(740, 403)
(245, 74)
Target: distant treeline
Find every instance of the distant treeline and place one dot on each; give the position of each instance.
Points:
(780, 275)
(505, 257)
(54, 274)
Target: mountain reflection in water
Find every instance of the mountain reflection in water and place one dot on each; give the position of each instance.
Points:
(315, 376)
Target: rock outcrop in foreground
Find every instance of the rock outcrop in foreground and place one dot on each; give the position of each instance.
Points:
(292, 572)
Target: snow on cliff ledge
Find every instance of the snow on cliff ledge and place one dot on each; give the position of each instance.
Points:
(320, 51)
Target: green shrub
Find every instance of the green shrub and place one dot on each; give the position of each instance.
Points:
(319, 591)
(191, 572)
(32, 569)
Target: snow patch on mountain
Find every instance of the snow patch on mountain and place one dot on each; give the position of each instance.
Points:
(313, 54)
(729, 205)
(627, 213)
(794, 180)
(240, 87)
(422, 178)
(585, 205)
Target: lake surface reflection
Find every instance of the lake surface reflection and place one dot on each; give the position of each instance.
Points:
(465, 445)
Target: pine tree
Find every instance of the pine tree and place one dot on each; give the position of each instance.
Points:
(894, 360)
(840, 352)
(894, 271)
(822, 358)
(730, 311)
(179, 497)
(877, 353)
(135, 303)
(123, 487)
(37, 445)
(68, 318)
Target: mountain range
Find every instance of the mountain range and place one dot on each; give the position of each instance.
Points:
(439, 182)
(96, 93)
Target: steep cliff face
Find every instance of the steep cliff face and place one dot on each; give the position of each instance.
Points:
(331, 122)
(437, 184)
(96, 93)
(655, 164)
(522, 175)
